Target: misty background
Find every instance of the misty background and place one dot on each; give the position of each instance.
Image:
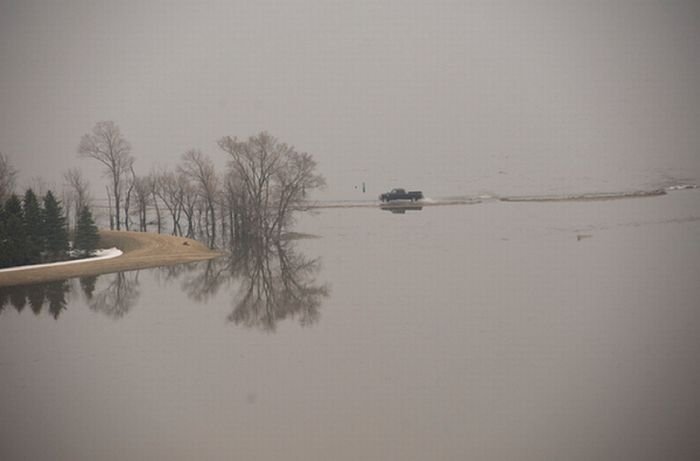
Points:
(451, 97)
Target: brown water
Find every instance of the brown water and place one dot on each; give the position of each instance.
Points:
(495, 331)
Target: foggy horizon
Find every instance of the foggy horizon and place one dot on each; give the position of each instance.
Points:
(532, 294)
(453, 97)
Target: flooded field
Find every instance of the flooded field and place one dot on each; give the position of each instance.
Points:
(495, 330)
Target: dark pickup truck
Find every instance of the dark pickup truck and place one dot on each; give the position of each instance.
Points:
(401, 194)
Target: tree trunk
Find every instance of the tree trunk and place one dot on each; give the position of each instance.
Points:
(109, 204)
(212, 212)
(117, 198)
(155, 204)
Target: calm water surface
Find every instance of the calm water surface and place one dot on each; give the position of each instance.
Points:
(523, 331)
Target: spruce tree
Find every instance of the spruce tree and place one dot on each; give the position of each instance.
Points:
(12, 236)
(86, 234)
(55, 231)
(33, 227)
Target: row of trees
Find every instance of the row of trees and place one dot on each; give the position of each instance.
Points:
(264, 183)
(34, 230)
(266, 180)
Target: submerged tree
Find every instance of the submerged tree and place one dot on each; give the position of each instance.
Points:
(107, 145)
(199, 169)
(86, 234)
(274, 179)
(170, 189)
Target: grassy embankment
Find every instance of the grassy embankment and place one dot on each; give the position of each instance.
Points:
(141, 250)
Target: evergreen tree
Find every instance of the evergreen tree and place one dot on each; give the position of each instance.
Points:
(86, 234)
(55, 231)
(33, 227)
(12, 235)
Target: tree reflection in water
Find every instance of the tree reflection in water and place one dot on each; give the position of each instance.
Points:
(278, 283)
(87, 284)
(52, 293)
(270, 279)
(36, 296)
(275, 282)
(56, 296)
(117, 299)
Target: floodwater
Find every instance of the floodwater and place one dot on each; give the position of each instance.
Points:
(494, 331)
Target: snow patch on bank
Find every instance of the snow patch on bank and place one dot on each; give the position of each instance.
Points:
(98, 256)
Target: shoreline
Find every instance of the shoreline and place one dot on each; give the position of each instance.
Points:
(100, 255)
(141, 250)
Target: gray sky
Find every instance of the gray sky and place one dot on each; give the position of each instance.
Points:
(454, 97)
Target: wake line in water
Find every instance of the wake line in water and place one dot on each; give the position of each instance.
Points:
(472, 200)
(584, 197)
(593, 196)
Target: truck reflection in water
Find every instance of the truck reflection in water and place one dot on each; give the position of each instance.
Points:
(401, 208)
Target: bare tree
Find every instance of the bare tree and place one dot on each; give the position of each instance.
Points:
(190, 200)
(107, 145)
(170, 188)
(153, 185)
(293, 179)
(129, 187)
(200, 170)
(109, 208)
(142, 193)
(79, 191)
(234, 197)
(40, 186)
(273, 179)
(8, 175)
